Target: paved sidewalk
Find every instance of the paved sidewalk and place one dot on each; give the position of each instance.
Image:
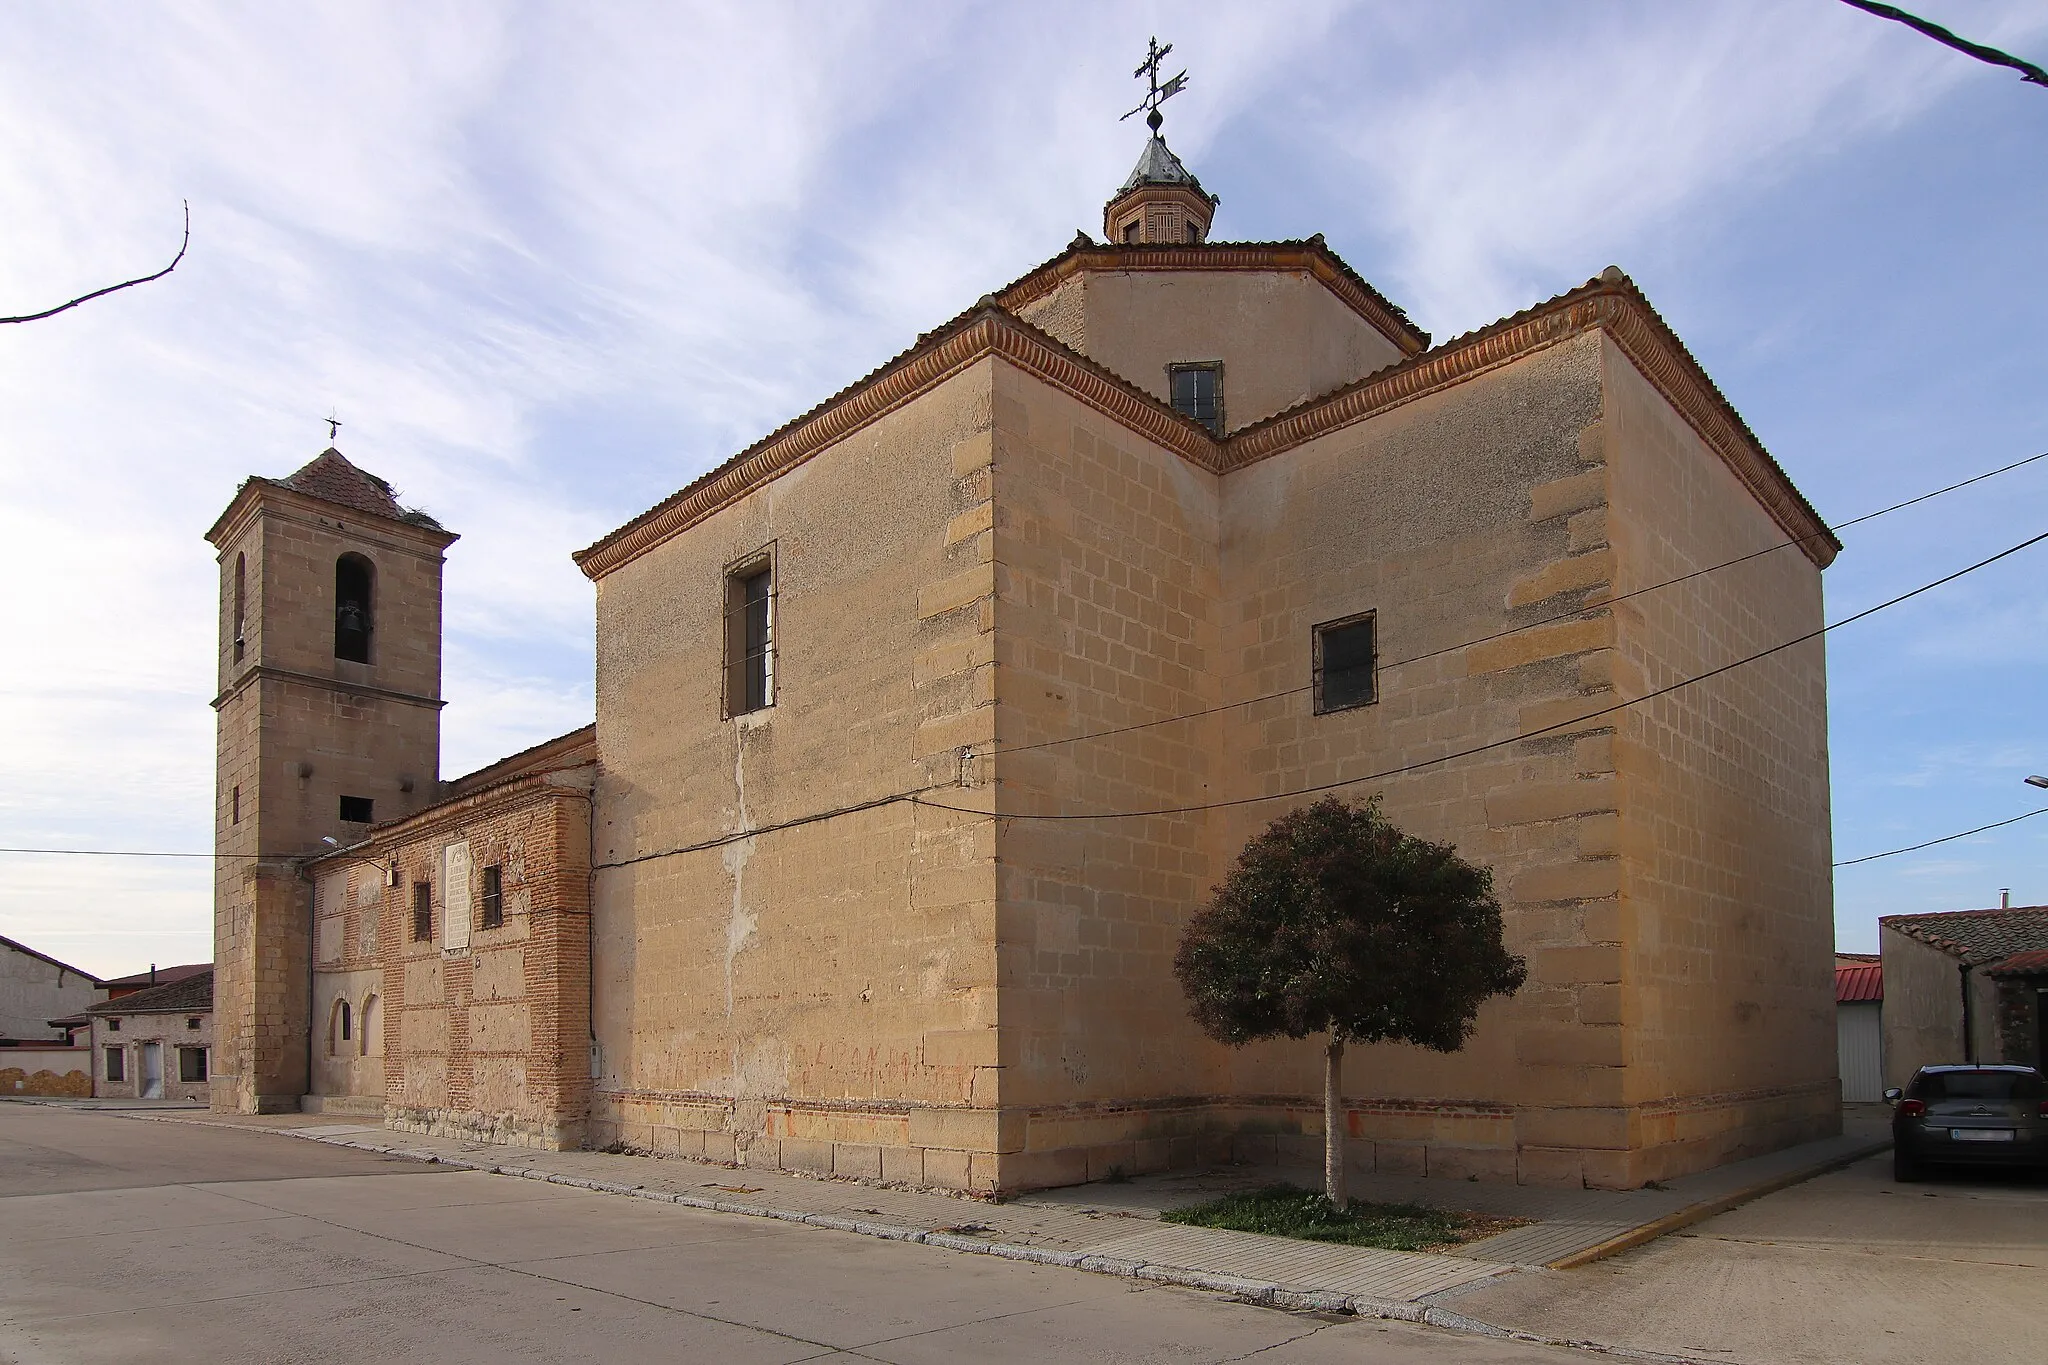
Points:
(1115, 1229)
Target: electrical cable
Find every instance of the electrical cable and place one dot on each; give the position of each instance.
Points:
(1944, 839)
(1530, 625)
(1512, 739)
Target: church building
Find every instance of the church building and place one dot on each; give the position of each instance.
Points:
(924, 724)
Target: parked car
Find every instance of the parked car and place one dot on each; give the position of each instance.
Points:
(1969, 1115)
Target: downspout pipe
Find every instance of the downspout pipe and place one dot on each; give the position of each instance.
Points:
(1969, 1025)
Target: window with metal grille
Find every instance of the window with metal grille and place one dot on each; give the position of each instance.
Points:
(750, 638)
(356, 810)
(191, 1065)
(494, 897)
(1198, 392)
(1346, 653)
(422, 911)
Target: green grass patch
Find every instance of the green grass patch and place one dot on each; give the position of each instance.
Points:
(1290, 1211)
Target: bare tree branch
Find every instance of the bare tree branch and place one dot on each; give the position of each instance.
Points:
(125, 284)
(2028, 71)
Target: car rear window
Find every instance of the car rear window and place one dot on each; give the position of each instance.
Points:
(1977, 1085)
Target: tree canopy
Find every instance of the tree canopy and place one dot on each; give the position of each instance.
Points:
(1332, 920)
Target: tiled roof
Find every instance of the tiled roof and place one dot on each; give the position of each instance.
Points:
(1859, 983)
(157, 976)
(193, 995)
(330, 477)
(1977, 936)
(2023, 964)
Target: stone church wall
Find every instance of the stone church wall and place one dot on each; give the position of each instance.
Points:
(821, 997)
(1727, 899)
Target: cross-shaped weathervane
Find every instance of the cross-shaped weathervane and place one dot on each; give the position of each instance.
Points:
(333, 420)
(1148, 70)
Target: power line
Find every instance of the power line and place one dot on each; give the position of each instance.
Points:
(2028, 71)
(1944, 839)
(1530, 625)
(1518, 738)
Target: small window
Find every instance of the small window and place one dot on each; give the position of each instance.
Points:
(494, 897)
(356, 810)
(422, 911)
(192, 1065)
(113, 1025)
(241, 601)
(1345, 658)
(353, 608)
(1194, 231)
(1198, 393)
(191, 1023)
(750, 639)
(1132, 231)
(117, 1063)
(345, 1031)
(235, 807)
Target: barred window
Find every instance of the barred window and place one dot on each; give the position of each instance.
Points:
(494, 897)
(422, 911)
(1346, 655)
(1198, 392)
(750, 637)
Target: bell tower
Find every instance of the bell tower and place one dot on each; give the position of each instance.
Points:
(329, 720)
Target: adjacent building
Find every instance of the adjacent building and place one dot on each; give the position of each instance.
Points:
(923, 724)
(1965, 986)
(1859, 1026)
(155, 1043)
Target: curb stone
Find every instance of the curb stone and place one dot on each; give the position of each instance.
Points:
(1261, 1293)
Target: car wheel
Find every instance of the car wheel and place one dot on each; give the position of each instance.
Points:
(1905, 1170)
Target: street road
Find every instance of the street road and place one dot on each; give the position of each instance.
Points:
(127, 1240)
(1847, 1269)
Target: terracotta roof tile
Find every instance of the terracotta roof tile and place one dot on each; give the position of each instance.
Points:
(163, 976)
(2022, 964)
(1977, 936)
(193, 995)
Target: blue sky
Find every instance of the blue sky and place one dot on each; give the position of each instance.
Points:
(550, 262)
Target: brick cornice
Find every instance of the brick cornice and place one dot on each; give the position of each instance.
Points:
(1610, 305)
(987, 331)
(1613, 306)
(451, 815)
(1312, 257)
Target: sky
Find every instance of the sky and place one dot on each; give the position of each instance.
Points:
(549, 262)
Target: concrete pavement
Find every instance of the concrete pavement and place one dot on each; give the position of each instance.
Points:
(193, 1243)
(1849, 1267)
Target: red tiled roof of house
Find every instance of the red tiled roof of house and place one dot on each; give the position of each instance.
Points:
(157, 976)
(1977, 936)
(1859, 982)
(192, 995)
(2022, 964)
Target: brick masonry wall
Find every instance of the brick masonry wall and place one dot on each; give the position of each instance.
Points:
(488, 1039)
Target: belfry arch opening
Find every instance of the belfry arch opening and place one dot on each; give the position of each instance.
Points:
(354, 607)
(241, 604)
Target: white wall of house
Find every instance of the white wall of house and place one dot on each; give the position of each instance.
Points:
(150, 1056)
(1859, 1051)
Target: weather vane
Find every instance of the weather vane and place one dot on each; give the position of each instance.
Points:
(1158, 94)
(333, 420)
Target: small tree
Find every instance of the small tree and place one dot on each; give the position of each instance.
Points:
(1333, 921)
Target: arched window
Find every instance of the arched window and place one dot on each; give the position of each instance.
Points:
(354, 608)
(241, 601)
(373, 1040)
(338, 1031)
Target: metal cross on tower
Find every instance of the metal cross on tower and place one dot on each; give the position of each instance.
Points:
(1158, 94)
(333, 420)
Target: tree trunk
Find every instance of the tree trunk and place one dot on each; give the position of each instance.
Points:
(1333, 1123)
